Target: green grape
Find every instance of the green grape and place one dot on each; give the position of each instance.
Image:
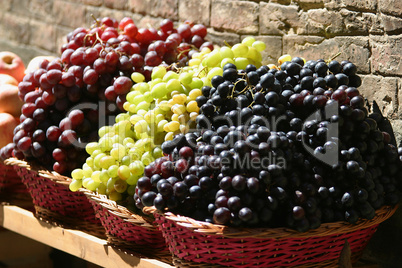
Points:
(157, 153)
(159, 90)
(173, 85)
(241, 63)
(137, 99)
(226, 61)
(128, 140)
(148, 97)
(158, 72)
(91, 147)
(196, 83)
(98, 158)
(214, 71)
(96, 176)
(107, 161)
(101, 189)
(75, 185)
(137, 77)
(147, 158)
(110, 183)
(170, 75)
(126, 160)
(87, 171)
(132, 180)
(142, 105)
(124, 172)
(141, 126)
(112, 171)
(259, 45)
(104, 176)
(120, 186)
(248, 41)
(240, 50)
(226, 52)
(213, 59)
(137, 168)
(77, 174)
(85, 182)
(186, 78)
(131, 189)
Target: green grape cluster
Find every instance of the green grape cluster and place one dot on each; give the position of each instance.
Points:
(156, 111)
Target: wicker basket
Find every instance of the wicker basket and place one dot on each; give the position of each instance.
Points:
(54, 202)
(11, 187)
(200, 244)
(127, 231)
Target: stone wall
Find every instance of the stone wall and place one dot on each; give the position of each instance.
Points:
(367, 32)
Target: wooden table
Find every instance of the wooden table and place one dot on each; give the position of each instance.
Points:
(77, 243)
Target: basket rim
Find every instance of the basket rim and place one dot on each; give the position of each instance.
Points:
(325, 229)
(52, 175)
(119, 210)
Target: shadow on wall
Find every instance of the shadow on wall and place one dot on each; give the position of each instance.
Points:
(385, 247)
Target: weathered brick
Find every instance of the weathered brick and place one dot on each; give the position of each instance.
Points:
(61, 37)
(148, 21)
(310, 4)
(235, 16)
(156, 8)
(397, 127)
(386, 57)
(363, 5)
(112, 13)
(321, 21)
(220, 38)
(20, 7)
(376, 27)
(393, 7)
(354, 49)
(383, 90)
(331, 23)
(278, 19)
(42, 10)
(69, 14)
(195, 10)
(116, 4)
(5, 5)
(355, 23)
(273, 48)
(15, 28)
(391, 24)
(91, 12)
(285, 2)
(92, 2)
(43, 35)
(26, 53)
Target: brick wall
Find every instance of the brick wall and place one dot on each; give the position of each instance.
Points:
(367, 32)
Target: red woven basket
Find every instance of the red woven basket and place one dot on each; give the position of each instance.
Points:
(200, 244)
(127, 231)
(11, 186)
(54, 202)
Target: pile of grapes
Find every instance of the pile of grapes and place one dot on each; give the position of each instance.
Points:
(293, 146)
(156, 111)
(69, 99)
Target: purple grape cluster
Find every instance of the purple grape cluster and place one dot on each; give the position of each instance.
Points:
(264, 149)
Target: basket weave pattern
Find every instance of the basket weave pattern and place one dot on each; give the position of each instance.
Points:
(197, 244)
(10, 182)
(54, 202)
(128, 231)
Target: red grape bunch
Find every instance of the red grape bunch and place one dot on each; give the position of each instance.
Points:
(62, 98)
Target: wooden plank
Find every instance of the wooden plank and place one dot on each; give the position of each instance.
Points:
(74, 242)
